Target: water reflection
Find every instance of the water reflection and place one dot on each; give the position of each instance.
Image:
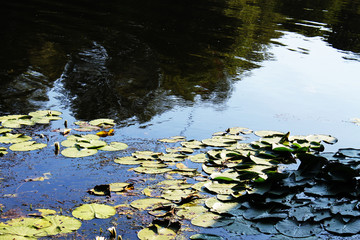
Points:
(128, 59)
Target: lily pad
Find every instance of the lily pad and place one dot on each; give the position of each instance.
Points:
(150, 203)
(114, 146)
(102, 122)
(14, 138)
(157, 232)
(191, 212)
(296, 229)
(266, 133)
(60, 225)
(199, 158)
(152, 170)
(211, 220)
(340, 227)
(205, 236)
(176, 194)
(27, 146)
(3, 151)
(94, 210)
(74, 152)
(129, 160)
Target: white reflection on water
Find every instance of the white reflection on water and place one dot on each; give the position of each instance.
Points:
(315, 92)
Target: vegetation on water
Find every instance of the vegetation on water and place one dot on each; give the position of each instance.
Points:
(280, 185)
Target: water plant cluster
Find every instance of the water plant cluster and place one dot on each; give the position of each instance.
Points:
(282, 186)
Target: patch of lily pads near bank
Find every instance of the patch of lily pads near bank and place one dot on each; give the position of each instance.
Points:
(280, 185)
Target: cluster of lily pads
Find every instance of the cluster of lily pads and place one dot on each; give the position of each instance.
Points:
(280, 185)
(48, 223)
(76, 145)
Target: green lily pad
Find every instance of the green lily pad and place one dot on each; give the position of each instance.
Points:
(296, 229)
(102, 122)
(60, 225)
(195, 144)
(3, 151)
(205, 236)
(146, 155)
(172, 157)
(222, 207)
(199, 158)
(75, 152)
(266, 133)
(24, 227)
(14, 138)
(321, 137)
(191, 212)
(118, 187)
(94, 210)
(157, 232)
(219, 141)
(150, 203)
(43, 113)
(174, 184)
(114, 146)
(211, 220)
(172, 139)
(5, 130)
(129, 160)
(338, 226)
(237, 130)
(176, 194)
(150, 170)
(263, 214)
(27, 146)
(241, 227)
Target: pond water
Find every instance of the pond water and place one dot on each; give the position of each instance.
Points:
(188, 68)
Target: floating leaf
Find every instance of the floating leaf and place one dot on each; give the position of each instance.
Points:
(296, 229)
(45, 212)
(176, 194)
(159, 231)
(151, 170)
(102, 122)
(265, 133)
(321, 137)
(172, 157)
(191, 212)
(212, 220)
(338, 226)
(60, 225)
(262, 214)
(128, 160)
(195, 144)
(150, 203)
(172, 139)
(114, 146)
(14, 138)
(27, 146)
(218, 141)
(3, 151)
(205, 236)
(237, 130)
(199, 158)
(75, 152)
(119, 187)
(94, 210)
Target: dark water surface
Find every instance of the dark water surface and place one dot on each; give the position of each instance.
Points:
(165, 68)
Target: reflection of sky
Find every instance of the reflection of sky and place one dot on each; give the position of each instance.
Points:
(309, 88)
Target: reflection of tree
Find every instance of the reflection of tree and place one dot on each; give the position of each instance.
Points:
(129, 59)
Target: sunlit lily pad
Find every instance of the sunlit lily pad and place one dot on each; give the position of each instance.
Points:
(114, 146)
(222, 207)
(211, 220)
(174, 184)
(119, 186)
(102, 122)
(146, 155)
(199, 158)
(150, 170)
(129, 160)
(5, 130)
(172, 139)
(176, 194)
(3, 151)
(172, 157)
(60, 225)
(195, 144)
(75, 152)
(218, 141)
(150, 203)
(42, 113)
(266, 133)
(14, 138)
(321, 137)
(157, 232)
(94, 210)
(237, 130)
(27, 146)
(191, 212)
